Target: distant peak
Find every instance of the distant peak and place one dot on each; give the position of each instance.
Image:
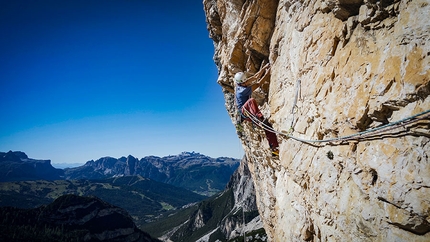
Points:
(13, 156)
(186, 153)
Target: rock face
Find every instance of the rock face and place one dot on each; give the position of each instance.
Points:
(338, 67)
(242, 186)
(226, 217)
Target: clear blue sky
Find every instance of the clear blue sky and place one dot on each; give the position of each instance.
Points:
(84, 79)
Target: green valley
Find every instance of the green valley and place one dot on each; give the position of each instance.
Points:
(143, 198)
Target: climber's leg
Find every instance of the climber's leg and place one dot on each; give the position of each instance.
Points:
(271, 137)
(252, 107)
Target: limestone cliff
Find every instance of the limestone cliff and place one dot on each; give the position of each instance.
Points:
(229, 216)
(338, 67)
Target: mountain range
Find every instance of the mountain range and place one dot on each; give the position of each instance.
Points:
(165, 211)
(190, 170)
(193, 171)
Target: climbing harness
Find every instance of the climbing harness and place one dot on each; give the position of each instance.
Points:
(383, 128)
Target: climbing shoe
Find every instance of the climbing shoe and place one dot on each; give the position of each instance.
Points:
(275, 153)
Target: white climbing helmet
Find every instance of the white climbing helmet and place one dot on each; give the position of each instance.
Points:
(239, 77)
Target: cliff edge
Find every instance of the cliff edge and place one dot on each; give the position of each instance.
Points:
(338, 68)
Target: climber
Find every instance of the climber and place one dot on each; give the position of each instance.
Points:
(246, 104)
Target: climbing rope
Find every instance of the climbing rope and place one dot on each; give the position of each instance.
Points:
(383, 128)
(298, 87)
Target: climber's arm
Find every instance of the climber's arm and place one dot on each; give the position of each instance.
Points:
(257, 76)
(260, 76)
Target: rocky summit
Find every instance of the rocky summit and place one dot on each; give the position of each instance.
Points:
(16, 166)
(348, 94)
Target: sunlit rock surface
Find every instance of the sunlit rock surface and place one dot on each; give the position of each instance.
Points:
(361, 64)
